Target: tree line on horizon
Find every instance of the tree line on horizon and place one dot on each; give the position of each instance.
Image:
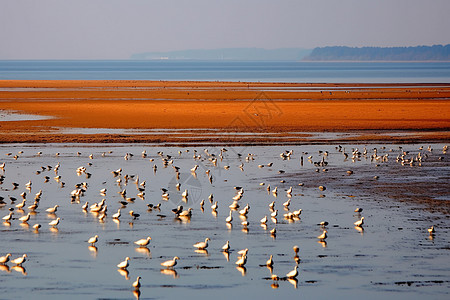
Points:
(344, 53)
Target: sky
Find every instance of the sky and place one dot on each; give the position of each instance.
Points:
(116, 29)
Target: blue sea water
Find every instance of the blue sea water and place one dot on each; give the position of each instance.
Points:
(264, 71)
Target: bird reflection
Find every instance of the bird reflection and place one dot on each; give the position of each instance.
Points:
(143, 250)
(244, 229)
(117, 221)
(54, 230)
(293, 281)
(323, 243)
(202, 251)
(214, 213)
(20, 269)
(7, 224)
(243, 270)
(229, 226)
(124, 273)
(93, 250)
(137, 294)
(274, 285)
(226, 254)
(25, 225)
(360, 229)
(170, 272)
(5, 268)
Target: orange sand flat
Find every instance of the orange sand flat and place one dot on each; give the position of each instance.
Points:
(277, 108)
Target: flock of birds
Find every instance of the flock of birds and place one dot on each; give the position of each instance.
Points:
(100, 209)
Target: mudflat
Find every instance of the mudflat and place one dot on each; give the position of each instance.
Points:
(204, 111)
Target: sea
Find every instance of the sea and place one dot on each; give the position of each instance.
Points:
(255, 71)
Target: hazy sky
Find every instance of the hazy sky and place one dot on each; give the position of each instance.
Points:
(115, 29)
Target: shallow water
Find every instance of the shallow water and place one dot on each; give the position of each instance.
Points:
(393, 256)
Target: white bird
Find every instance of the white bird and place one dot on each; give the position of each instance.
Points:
(143, 242)
(52, 210)
(124, 264)
(431, 230)
(360, 222)
(20, 260)
(186, 213)
(264, 220)
(117, 214)
(242, 260)
(137, 284)
(293, 273)
(8, 217)
(229, 219)
(202, 245)
(54, 223)
(269, 262)
(5, 259)
(170, 263)
(226, 247)
(25, 219)
(93, 240)
(243, 252)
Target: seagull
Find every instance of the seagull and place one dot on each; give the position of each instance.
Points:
(170, 263)
(264, 220)
(54, 223)
(226, 247)
(360, 222)
(293, 273)
(117, 214)
(229, 218)
(52, 210)
(134, 215)
(269, 262)
(143, 242)
(5, 259)
(358, 210)
(431, 230)
(242, 261)
(93, 240)
(36, 227)
(202, 245)
(8, 217)
(20, 260)
(186, 213)
(25, 219)
(137, 284)
(124, 264)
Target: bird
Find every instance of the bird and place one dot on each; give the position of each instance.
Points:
(293, 273)
(264, 220)
(269, 262)
(8, 217)
(431, 230)
(243, 252)
(25, 219)
(186, 213)
(134, 215)
(296, 249)
(358, 210)
(52, 210)
(54, 223)
(360, 222)
(36, 227)
(242, 260)
(124, 264)
(137, 284)
(226, 247)
(202, 245)
(20, 260)
(4, 259)
(323, 236)
(170, 263)
(143, 242)
(93, 240)
(229, 218)
(117, 214)
(85, 206)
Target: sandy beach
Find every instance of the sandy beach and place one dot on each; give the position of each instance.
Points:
(203, 111)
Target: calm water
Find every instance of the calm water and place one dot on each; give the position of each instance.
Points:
(392, 258)
(357, 72)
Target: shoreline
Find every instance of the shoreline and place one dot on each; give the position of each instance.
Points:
(288, 113)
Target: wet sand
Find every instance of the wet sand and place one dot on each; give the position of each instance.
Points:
(289, 112)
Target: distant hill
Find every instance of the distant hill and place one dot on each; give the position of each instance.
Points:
(419, 53)
(227, 54)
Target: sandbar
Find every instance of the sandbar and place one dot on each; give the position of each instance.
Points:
(207, 112)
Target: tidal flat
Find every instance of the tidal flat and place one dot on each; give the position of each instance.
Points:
(401, 188)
